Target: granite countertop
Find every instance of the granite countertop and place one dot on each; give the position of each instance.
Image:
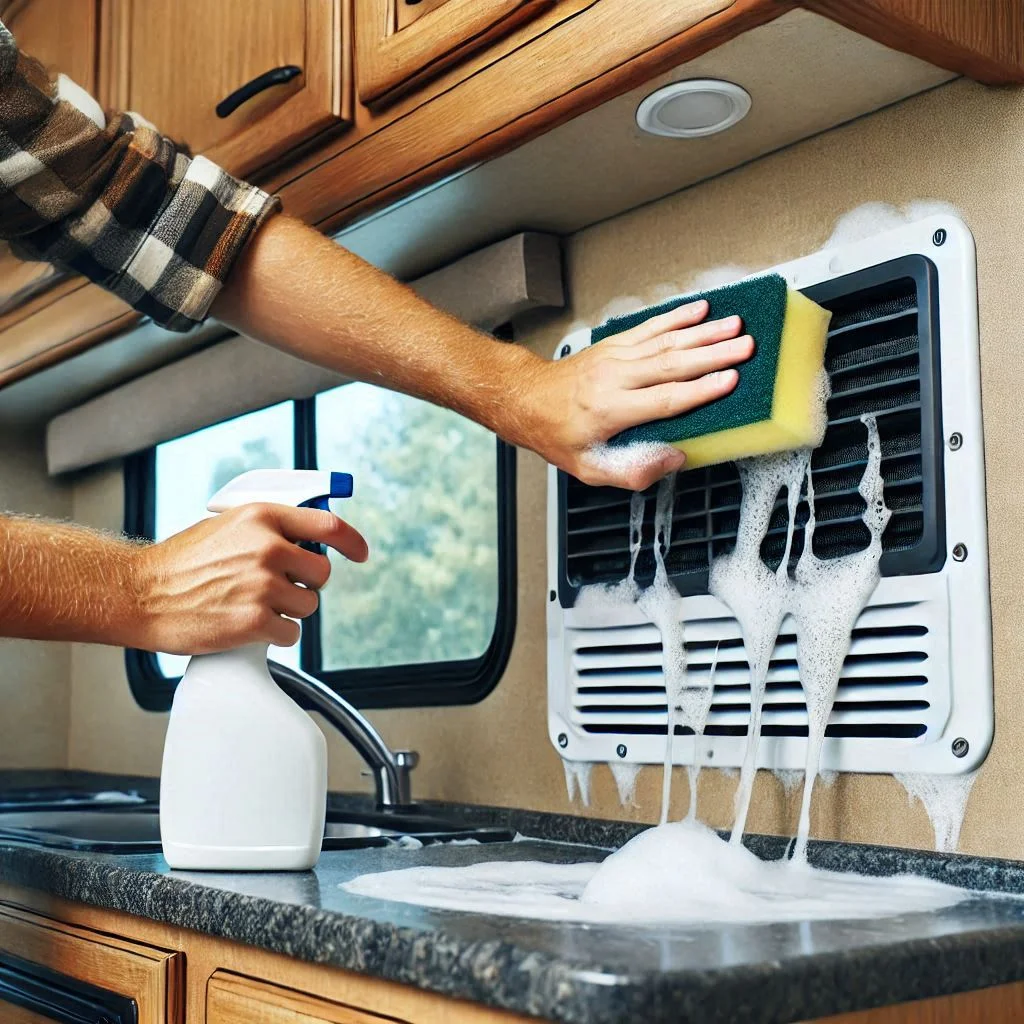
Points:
(567, 972)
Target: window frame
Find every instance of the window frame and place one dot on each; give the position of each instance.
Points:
(427, 684)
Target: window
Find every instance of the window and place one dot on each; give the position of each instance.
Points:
(429, 619)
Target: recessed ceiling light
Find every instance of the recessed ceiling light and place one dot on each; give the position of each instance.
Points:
(688, 110)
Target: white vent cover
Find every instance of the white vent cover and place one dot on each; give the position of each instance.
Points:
(917, 684)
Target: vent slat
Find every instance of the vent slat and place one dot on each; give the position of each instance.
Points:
(874, 358)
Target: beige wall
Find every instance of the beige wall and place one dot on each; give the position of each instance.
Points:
(34, 677)
(960, 144)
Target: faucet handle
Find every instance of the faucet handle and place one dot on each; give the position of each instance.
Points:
(407, 759)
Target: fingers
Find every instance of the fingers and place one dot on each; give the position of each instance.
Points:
(300, 566)
(707, 333)
(320, 527)
(675, 319)
(687, 364)
(280, 631)
(291, 600)
(664, 400)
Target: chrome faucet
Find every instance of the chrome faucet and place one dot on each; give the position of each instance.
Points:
(389, 768)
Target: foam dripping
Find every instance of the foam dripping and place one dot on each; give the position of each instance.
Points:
(625, 774)
(829, 597)
(577, 779)
(687, 702)
(945, 799)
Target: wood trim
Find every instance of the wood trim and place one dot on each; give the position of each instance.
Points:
(983, 1006)
(232, 999)
(516, 99)
(153, 977)
(391, 60)
(207, 955)
(324, 101)
(81, 316)
(983, 39)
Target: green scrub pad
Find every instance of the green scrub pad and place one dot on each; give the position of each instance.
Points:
(777, 404)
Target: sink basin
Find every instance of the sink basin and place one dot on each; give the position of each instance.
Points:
(137, 829)
(45, 798)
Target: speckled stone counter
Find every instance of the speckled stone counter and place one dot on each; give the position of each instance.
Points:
(583, 974)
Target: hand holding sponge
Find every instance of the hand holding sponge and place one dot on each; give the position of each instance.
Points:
(779, 400)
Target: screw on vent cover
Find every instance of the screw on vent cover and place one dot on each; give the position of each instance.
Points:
(960, 747)
(621, 750)
(956, 441)
(960, 553)
(939, 238)
(563, 740)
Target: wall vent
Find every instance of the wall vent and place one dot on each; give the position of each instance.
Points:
(903, 345)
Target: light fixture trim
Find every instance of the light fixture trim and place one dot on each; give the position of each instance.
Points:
(650, 113)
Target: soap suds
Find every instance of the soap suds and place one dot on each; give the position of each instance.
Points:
(945, 799)
(617, 459)
(872, 219)
(829, 597)
(791, 779)
(577, 779)
(625, 774)
(680, 872)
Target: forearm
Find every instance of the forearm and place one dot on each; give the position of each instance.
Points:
(60, 582)
(299, 291)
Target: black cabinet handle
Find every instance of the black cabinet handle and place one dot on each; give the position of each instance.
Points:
(275, 76)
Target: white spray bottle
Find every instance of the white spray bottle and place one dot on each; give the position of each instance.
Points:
(244, 780)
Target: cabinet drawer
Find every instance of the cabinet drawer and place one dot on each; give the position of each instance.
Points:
(47, 960)
(231, 999)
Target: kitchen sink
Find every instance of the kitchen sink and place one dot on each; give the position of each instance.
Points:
(133, 829)
(47, 798)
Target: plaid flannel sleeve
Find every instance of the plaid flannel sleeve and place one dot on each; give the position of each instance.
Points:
(118, 203)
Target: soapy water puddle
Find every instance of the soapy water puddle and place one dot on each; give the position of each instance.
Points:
(679, 873)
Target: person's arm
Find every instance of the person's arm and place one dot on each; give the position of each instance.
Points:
(164, 232)
(297, 290)
(224, 582)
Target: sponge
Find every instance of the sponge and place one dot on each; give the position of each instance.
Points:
(777, 404)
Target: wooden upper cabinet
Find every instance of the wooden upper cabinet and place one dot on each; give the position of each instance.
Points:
(402, 43)
(64, 36)
(176, 62)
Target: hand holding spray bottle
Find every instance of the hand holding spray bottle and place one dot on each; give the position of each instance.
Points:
(243, 785)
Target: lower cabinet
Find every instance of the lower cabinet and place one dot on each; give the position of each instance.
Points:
(232, 999)
(52, 971)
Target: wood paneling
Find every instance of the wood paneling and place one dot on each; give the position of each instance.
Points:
(983, 39)
(153, 977)
(63, 34)
(174, 62)
(395, 53)
(1003, 1003)
(575, 65)
(263, 983)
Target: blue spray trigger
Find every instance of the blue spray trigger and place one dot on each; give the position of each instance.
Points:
(341, 485)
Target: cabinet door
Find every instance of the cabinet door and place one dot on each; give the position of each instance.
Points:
(404, 42)
(63, 34)
(176, 63)
(58, 972)
(231, 999)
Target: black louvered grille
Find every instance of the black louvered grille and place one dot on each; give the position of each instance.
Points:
(881, 359)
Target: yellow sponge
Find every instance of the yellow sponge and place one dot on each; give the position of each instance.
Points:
(777, 404)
